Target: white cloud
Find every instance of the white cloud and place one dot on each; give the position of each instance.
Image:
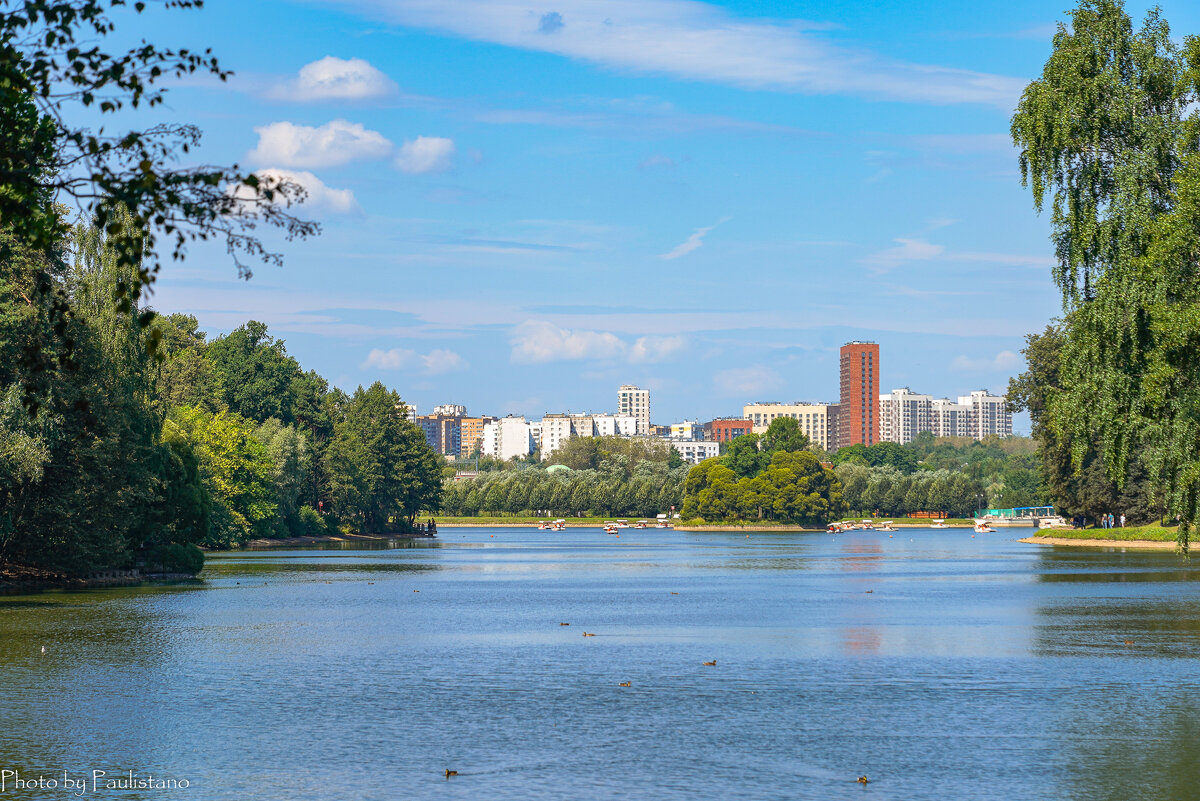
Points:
(655, 349)
(333, 78)
(905, 251)
(698, 41)
(435, 362)
(330, 145)
(1005, 361)
(319, 198)
(691, 243)
(425, 154)
(746, 381)
(538, 341)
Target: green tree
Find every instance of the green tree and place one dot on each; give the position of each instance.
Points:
(255, 375)
(784, 434)
(382, 472)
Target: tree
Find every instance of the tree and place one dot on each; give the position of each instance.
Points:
(744, 457)
(784, 434)
(382, 472)
(1109, 132)
(291, 475)
(255, 375)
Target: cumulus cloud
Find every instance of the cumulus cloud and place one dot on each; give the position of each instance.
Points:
(1004, 361)
(699, 41)
(425, 154)
(334, 78)
(329, 145)
(746, 381)
(691, 243)
(436, 362)
(539, 341)
(319, 199)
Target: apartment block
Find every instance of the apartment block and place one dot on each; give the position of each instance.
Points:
(441, 432)
(507, 438)
(949, 419)
(688, 429)
(635, 402)
(696, 451)
(814, 419)
(903, 414)
(471, 434)
(724, 429)
(988, 414)
(858, 421)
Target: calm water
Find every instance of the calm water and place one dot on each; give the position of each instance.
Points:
(941, 666)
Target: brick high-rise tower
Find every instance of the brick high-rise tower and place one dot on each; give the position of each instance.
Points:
(858, 415)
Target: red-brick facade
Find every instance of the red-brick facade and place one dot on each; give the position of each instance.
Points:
(723, 430)
(858, 415)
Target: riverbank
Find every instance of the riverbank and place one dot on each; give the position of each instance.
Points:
(299, 542)
(22, 578)
(1151, 537)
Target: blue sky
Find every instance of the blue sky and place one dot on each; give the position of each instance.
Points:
(526, 204)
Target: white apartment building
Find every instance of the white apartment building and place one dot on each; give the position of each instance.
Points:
(507, 438)
(450, 410)
(818, 421)
(949, 419)
(988, 414)
(635, 402)
(903, 414)
(688, 429)
(558, 428)
(696, 451)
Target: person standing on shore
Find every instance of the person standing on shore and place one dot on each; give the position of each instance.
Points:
(1122, 520)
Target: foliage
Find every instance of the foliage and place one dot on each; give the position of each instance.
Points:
(614, 455)
(382, 471)
(1109, 131)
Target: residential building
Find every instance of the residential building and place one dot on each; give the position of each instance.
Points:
(470, 434)
(697, 450)
(659, 431)
(558, 428)
(635, 402)
(507, 438)
(903, 414)
(724, 429)
(816, 420)
(451, 410)
(988, 415)
(858, 421)
(409, 412)
(949, 419)
(688, 429)
(441, 432)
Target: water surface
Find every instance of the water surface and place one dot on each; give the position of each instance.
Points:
(940, 665)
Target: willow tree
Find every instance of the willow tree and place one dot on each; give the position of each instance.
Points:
(1109, 134)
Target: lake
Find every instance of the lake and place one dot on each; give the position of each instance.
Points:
(937, 664)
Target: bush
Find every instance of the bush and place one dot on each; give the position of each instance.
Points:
(311, 523)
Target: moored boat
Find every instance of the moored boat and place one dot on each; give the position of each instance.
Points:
(938, 523)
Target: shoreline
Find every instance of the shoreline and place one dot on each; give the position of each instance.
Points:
(20, 579)
(292, 542)
(1150, 545)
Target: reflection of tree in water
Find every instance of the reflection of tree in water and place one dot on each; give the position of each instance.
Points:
(1123, 605)
(1133, 746)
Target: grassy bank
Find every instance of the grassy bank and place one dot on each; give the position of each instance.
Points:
(1152, 533)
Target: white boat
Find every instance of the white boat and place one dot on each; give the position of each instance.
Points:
(642, 524)
(982, 527)
(1052, 521)
(545, 525)
(560, 525)
(868, 525)
(622, 524)
(886, 525)
(939, 523)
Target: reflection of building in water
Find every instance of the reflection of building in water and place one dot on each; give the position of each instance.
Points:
(861, 640)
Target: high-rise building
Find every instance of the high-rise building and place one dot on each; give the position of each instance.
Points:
(507, 438)
(903, 414)
(857, 418)
(470, 434)
(635, 402)
(949, 419)
(451, 409)
(988, 414)
(814, 418)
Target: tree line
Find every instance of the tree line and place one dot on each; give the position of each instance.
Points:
(133, 458)
(599, 476)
